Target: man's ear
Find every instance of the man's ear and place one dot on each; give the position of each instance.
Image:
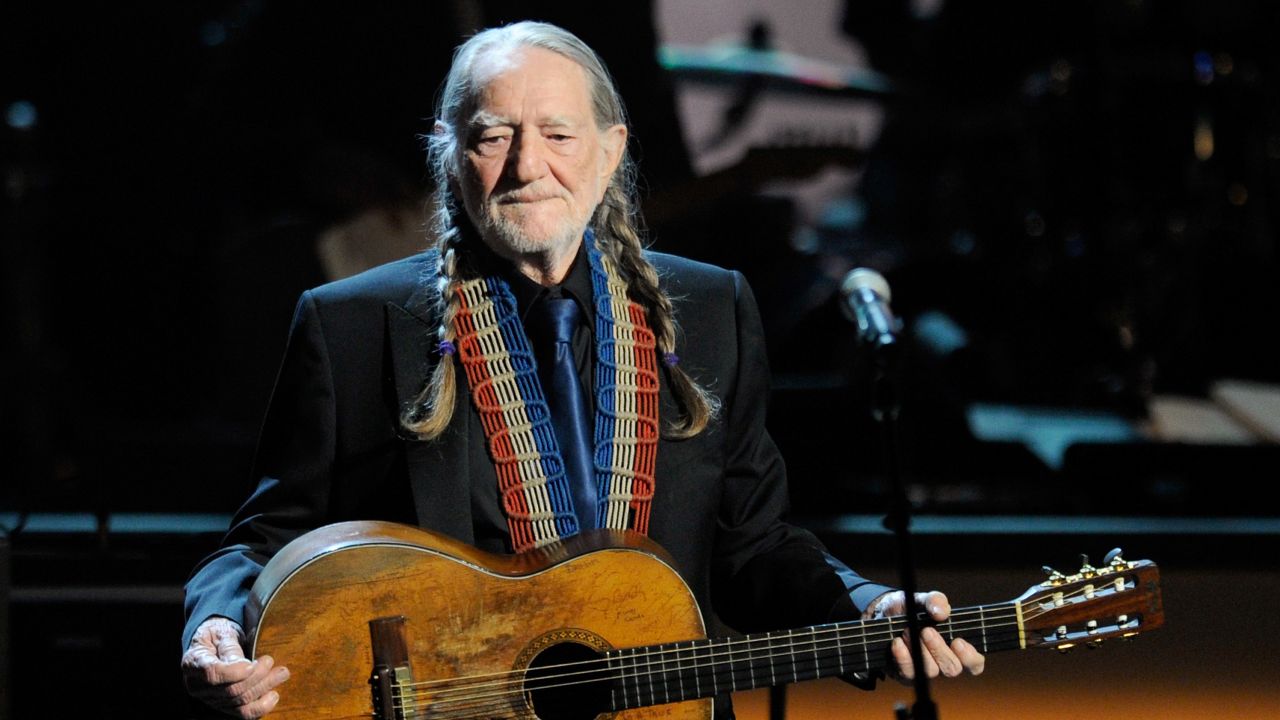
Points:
(613, 141)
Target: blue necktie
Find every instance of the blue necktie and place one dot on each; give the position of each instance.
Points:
(569, 414)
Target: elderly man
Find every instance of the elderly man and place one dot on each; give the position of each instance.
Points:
(651, 368)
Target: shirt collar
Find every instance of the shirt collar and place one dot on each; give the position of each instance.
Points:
(576, 285)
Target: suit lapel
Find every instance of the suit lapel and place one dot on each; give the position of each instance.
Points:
(664, 471)
(439, 471)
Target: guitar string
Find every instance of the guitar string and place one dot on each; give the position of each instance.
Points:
(487, 707)
(750, 647)
(514, 688)
(752, 650)
(484, 705)
(874, 630)
(647, 670)
(880, 625)
(714, 651)
(733, 648)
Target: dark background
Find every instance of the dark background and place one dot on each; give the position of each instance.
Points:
(1043, 182)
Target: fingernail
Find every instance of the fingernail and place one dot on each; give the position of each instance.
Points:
(273, 697)
(282, 674)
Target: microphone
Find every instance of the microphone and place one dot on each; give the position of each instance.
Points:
(865, 295)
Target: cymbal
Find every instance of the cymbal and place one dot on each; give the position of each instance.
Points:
(788, 72)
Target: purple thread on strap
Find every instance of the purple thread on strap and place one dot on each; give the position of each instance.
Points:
(446, 348)
(670, 359)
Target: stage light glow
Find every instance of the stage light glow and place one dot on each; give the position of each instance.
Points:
(1203, 63)
(213, 34)
(22, 115)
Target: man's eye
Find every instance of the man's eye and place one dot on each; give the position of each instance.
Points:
(490, 144)
(560, 138)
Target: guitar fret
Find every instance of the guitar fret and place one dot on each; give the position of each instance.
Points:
(816, 664)
(666, 682)
(982, 623)
(649, 677)
(679, 672)
(697, 669)
(840, 649)
(613, 687)
(697, 673)
(635, 673)
(768, 654)
(801, 672)
(751, 659)
(866, 652)
(791, 645)
(732, 680)
(715, 681)
(623, 675)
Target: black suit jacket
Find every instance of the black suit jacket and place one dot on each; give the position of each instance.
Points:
(332, 450)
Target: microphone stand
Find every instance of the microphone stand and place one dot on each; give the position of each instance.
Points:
(885, 406)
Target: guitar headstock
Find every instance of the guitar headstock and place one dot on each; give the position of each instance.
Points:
(1121, 598)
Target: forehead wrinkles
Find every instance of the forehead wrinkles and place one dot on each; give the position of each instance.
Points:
(492, 64)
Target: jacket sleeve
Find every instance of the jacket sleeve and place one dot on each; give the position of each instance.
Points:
(294, 462)
(769, 574)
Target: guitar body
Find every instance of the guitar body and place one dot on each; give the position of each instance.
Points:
(467, 613)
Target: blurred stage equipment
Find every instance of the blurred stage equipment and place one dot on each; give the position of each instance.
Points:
(723, 63)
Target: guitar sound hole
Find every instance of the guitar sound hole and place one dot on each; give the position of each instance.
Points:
(568, 681)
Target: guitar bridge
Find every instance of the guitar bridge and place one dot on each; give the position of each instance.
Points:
(392, 676)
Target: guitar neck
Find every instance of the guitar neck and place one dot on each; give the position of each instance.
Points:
(657, 674)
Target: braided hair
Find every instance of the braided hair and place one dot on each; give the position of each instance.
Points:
(616, 222)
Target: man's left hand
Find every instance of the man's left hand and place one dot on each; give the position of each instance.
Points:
(938, 657)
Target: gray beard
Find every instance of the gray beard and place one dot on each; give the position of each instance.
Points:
(512, 236)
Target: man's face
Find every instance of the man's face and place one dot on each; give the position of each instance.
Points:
(534, 163)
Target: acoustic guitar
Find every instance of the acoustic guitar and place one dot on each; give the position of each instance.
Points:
(380, 620)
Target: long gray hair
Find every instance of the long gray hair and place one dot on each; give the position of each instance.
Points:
(616, 222)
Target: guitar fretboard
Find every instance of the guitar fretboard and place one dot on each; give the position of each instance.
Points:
(657, 674)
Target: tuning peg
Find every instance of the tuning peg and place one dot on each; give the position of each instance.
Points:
(1086, 569)
(1055, 577)
(1113, 558)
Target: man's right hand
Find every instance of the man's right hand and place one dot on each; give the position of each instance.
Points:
(218, 674)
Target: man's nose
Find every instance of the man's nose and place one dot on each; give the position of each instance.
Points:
(527, 162)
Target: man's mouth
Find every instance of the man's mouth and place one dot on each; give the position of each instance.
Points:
(525, 195)
(521, 200)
